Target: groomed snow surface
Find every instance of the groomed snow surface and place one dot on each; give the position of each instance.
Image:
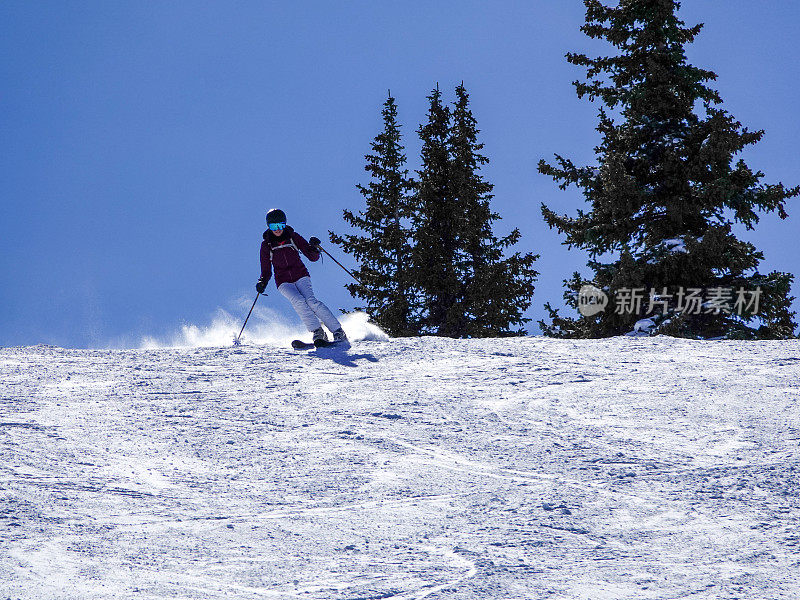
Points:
(407, 469)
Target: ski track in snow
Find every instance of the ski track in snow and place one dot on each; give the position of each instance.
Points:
(648, 468)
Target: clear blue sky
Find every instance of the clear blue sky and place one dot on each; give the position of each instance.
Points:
(141, 143)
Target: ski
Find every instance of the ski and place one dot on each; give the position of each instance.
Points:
(325, 343)
(301, 345)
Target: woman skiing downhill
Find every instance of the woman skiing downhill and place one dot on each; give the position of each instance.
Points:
(280, 252)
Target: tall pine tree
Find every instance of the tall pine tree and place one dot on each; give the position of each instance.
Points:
(384, 250)
(667, 192)
(430, 262)
(436, 229)
(495, 291)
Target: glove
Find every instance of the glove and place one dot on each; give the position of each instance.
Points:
(314, 241)
(261, 286)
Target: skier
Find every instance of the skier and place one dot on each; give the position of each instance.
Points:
(280, 251)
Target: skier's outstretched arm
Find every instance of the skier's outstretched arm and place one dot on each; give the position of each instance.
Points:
(266, 267)
(311, 251)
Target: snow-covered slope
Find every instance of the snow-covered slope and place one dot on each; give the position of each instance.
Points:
(407, 469)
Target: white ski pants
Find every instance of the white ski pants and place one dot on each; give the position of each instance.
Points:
(310, 310)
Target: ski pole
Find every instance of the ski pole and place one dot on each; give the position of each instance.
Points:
(236, 341)
(340, 264)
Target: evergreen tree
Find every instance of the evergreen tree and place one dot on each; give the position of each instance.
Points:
(384, 250)
(667, 192)
(438, 223)
(494, 291)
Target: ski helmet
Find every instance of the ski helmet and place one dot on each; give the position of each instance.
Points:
(276, 215)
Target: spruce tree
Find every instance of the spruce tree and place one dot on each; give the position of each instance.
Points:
(667, 191)
(495, 291)
(436, 229)
(384, 250)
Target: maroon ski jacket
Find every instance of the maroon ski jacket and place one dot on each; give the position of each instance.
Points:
(282, 254)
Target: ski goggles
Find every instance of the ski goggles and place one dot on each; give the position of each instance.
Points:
(277, 226)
